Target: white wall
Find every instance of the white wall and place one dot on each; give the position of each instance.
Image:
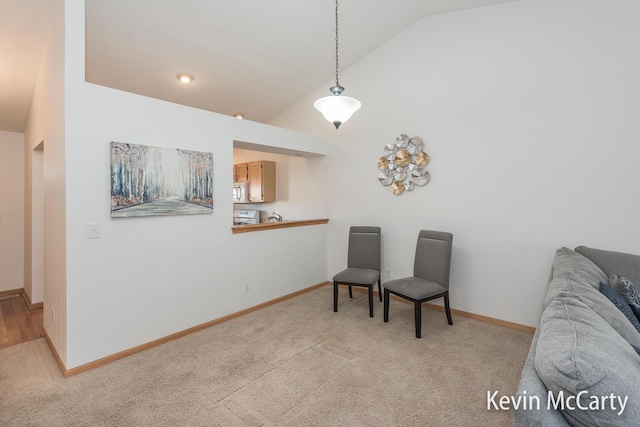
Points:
(149, 277)
(35, 286)
(11, 210)
(529, 112)
(46, 124)
(146, 278)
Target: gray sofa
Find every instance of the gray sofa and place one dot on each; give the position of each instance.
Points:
(585, 349)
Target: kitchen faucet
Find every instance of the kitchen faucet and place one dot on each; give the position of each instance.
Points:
(276, 216)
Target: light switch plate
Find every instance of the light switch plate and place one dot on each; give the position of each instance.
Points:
(93, 230)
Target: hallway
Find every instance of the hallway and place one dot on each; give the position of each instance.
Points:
(17, 323)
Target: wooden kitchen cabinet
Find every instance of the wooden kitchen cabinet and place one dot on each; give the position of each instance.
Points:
(262, 181)
(241, 172)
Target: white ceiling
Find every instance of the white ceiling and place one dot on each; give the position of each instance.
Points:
(255, 57)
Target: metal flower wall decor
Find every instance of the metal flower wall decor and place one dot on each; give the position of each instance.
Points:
(403, 165)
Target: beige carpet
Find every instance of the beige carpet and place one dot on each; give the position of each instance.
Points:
(295, 363)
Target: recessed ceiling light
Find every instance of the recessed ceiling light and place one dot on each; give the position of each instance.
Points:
(185, 78)
(239, 116)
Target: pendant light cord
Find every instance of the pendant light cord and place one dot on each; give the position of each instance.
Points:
(337, 109)
(337, 82)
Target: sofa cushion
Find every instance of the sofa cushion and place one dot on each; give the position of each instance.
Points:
(623, 264)
(629, 291)
(579, 354)
(618, 300)
(573, 285)
(568, 260)
(531, 385)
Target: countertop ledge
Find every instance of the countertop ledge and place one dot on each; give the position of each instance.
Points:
(275, 225)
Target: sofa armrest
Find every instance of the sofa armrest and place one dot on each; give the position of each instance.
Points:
(532, 385)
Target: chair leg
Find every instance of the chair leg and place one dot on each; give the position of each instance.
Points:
(386, 305)
(417, 308)
(446, 308)
(350, 292)
(379, 289)
(371, 301)
(335, 297)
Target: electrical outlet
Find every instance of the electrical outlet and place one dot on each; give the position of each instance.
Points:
(246, 286)
(53, 315)
(388, 272)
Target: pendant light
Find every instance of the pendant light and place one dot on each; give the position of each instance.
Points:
(337, 109)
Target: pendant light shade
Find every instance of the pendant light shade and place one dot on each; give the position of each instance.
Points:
(337, 109)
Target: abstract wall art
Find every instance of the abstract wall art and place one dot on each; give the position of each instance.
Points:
(403, 165)
(148, 180)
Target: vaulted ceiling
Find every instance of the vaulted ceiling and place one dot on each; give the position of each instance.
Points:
(253, 57)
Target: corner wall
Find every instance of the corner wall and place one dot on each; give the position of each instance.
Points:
(46, 124)
(149, 277)
(11, 211)
(528, 110)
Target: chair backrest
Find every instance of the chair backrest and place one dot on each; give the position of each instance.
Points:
(364, 247)
(433, 256)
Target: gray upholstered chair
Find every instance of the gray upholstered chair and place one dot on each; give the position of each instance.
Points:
(363, 264)
(430, 278)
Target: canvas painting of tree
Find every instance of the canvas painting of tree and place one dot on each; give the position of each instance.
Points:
(148, 180)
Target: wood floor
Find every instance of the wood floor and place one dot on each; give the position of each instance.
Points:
(17, 323)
